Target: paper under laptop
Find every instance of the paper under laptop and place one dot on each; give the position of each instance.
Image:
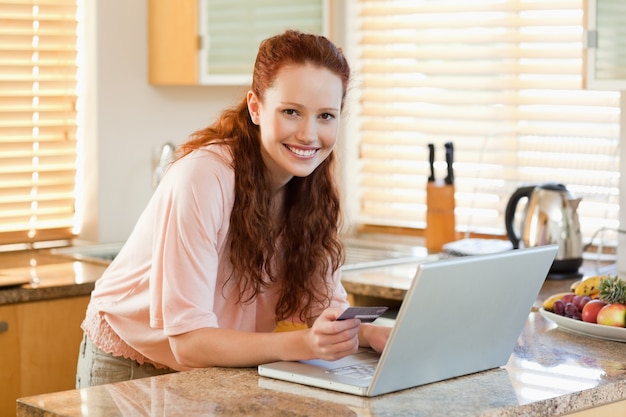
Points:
(460, 316)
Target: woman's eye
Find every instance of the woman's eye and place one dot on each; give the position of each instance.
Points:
(327, 116)
(290, 112)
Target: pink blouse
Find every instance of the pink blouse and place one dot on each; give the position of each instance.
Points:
(170, 276)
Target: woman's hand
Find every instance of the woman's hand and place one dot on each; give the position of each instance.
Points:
(374, 336)
(330, 339)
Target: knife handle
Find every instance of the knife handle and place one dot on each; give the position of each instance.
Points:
(431, 161)
(449, 161)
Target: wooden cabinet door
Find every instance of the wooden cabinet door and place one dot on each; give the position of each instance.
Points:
(39, 348)
(173, 42)
(50, 335)
(9, 360)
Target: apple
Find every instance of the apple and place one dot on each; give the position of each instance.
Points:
(612, 315)
(591, 309)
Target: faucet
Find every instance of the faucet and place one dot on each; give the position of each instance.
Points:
(161, 162)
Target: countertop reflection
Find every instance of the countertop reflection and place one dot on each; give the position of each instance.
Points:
(37, 275)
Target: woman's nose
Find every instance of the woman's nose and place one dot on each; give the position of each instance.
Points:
(307, 131)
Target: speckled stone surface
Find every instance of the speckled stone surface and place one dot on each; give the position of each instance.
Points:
(551, 372)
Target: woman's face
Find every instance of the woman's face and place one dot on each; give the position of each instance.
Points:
(299, 120)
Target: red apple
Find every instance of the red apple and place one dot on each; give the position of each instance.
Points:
(612, 315)
(591, 309)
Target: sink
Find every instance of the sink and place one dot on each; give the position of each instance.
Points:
(102, 253)
(360, 253)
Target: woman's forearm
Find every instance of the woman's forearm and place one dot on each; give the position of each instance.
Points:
(327, 339)
(231, 348)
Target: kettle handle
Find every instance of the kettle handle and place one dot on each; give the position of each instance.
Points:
(509, 213)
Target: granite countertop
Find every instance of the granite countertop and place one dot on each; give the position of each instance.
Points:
(37, 275)
(551, 372)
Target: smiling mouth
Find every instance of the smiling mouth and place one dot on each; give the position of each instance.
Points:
(301, 152)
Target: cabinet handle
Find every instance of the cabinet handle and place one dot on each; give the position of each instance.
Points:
(4, 326)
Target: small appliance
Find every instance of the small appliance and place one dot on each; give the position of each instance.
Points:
(549, 217)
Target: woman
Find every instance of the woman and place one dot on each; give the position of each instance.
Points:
(240, 235)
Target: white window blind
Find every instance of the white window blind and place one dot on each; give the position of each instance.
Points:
(38, 78)
(500, 79)
(233, 29)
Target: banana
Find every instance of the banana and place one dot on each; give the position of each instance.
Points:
(548, 304)
(589, 285)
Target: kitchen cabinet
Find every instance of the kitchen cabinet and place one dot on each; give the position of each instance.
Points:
(39, 342)
(605, 45)
(214, 42)
(616, 409)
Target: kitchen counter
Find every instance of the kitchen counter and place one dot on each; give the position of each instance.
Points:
(551, 372)
(38, 275)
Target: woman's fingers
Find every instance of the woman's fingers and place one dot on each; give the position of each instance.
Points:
(334, 339)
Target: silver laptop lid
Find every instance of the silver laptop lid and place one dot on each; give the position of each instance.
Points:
(460, 316)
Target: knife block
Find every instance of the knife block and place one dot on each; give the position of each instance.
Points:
(440, 221)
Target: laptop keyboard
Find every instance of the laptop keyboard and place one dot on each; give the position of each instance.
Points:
(360, 371)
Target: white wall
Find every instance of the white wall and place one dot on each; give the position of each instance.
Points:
(127, 118)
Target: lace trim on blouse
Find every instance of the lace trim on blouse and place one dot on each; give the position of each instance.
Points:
(102, 335)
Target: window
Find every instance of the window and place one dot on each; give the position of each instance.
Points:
(38, 121)
(502, 80)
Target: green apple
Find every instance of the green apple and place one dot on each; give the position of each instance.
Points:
(612, 315)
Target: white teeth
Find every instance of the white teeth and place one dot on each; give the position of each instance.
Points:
(302, 152)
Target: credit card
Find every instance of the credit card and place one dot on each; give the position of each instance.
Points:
(365, 314)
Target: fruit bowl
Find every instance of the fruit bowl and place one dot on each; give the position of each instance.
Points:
(599, 331)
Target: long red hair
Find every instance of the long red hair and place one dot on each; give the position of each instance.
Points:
(309, 247)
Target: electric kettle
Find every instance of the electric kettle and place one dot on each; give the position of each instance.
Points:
(549, 217)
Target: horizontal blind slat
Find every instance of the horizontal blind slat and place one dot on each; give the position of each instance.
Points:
(38, 77)
(502, 80)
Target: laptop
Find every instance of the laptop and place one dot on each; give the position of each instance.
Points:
(459, 316)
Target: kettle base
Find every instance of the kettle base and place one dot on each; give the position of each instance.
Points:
(565, 275)
(565, 269)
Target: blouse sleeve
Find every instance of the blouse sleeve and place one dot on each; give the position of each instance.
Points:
(191, 222)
